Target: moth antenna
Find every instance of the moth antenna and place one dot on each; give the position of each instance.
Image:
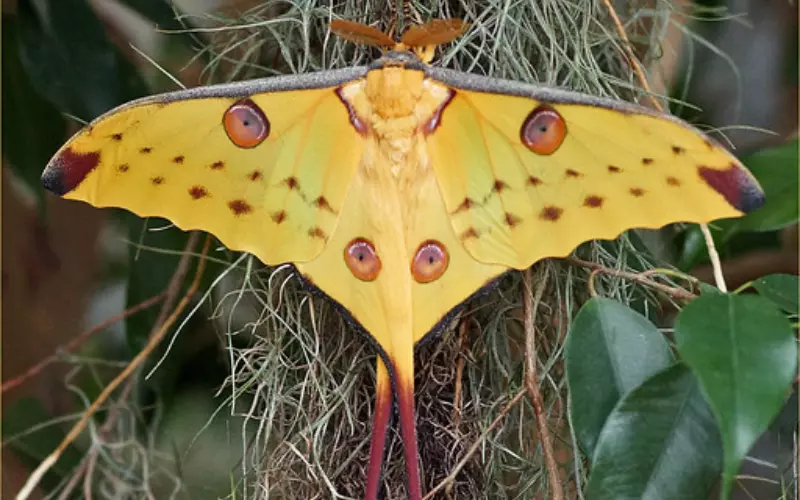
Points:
(361, 33)
(436, 32)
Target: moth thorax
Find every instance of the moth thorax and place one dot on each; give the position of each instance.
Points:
(395, 137)
(394, 91)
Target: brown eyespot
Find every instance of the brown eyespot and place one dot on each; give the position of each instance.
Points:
(430, 262)
(543, 130)
(245, 124)
(362, 260)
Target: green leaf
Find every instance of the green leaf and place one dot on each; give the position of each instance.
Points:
(27, 432)
(776, 170)
(33, 129)
(706, 289)
(744, 354)
(659, 443)
(69, 59)
(780, 289)
(610, 350)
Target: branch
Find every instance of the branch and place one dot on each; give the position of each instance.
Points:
(530, 304)
(152, 343)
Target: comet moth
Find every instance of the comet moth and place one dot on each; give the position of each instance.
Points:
(399, 189)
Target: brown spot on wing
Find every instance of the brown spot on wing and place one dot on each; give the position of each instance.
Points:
(178, 159)
(465, 205)
(217, 165)
(279, 217)
(468, 234)
(593, 201)
(240, 207)
(123, 168)
(613, 169)
(534, 181)
(322, 203)
(672, 181)
(647, 161)
(157, 181)
(551, 213)
(499, 186)
(68, 170)
(291, 182)
(637, 191)
(255, 175)
(678, 150)
(116, 137)
(317, 232)
(145, 150)
(572, 173)
(512, 220)
(197, 192)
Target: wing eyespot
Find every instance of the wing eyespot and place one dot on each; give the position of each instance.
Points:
(362, 260)
(246, 124)
(543, 131)
(430, 262)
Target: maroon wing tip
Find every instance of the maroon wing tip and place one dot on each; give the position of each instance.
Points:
(738, 188)
(67, 170)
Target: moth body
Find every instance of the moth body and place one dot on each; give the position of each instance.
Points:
(396, 105)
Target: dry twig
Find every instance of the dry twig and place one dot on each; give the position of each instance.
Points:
(530, 303)
(154, 341)
(77, 341)
(477, 444)
(641, 278)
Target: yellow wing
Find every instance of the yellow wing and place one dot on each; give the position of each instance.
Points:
(533, 175)
(261, 166)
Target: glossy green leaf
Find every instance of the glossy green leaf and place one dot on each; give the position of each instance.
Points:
(659, 443)
(743, 351)
(776, 170)
(708, 289)
(610, 349)
(33, 129)
(70, 60)
(780, 289)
